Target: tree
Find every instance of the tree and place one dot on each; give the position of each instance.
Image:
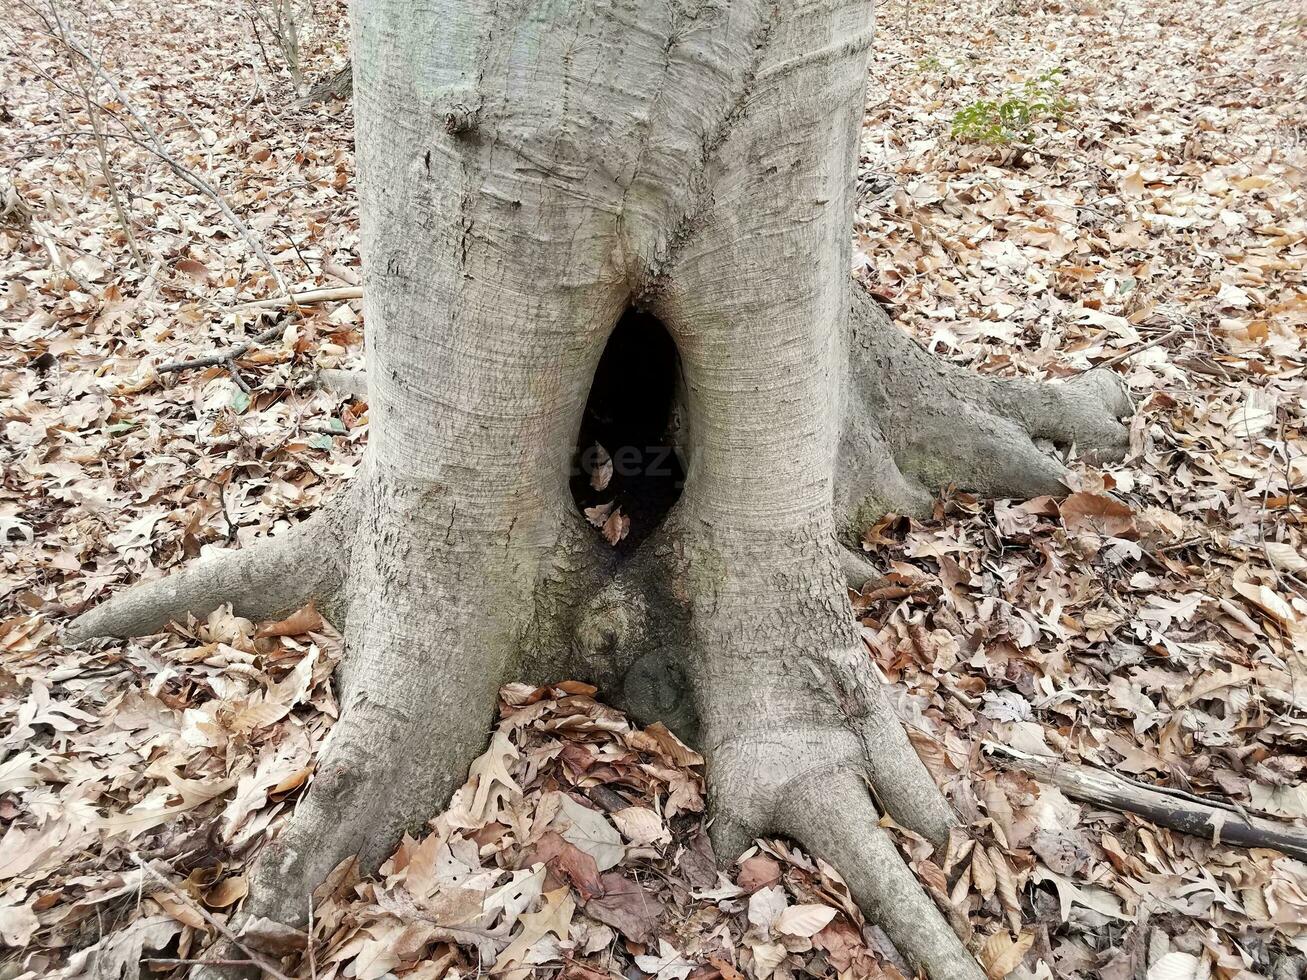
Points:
(531, 177)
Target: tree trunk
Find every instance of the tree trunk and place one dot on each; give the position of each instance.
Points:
(532, 175)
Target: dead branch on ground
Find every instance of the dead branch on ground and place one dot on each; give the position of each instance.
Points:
(1213, 819)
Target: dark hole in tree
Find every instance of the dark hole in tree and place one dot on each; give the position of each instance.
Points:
(628, 431)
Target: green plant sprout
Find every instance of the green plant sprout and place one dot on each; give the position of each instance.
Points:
(1012, 118)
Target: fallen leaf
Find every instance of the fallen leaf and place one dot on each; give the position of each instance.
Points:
(303, 620)
(804, 920)
(1097, 514)
(1001, 954)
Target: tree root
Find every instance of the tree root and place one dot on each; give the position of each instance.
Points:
(353, 384)
(274, 577)
(858, 572)
(832, 813)
(913, 425)
(812, 785)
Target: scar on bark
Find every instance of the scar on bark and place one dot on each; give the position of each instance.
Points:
(620, 617)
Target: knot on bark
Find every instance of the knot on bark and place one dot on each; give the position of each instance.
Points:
(334, 784)
(460, 108)
(460, 119)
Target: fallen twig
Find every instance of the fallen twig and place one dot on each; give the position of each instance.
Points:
(1112, 361)
(174, 961)
(156, 147)
(307, 298)
(1217, 821)
(230, 936)
(343, 273)
(227, 357)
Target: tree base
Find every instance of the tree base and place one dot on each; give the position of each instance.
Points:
(744, 644)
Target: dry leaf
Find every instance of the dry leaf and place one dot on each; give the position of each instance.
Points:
(1001, 955)
(303, 620)
(804, 921)
(1178, 966)
(1097, 514)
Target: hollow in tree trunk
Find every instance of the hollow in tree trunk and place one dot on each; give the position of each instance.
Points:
(671, 181)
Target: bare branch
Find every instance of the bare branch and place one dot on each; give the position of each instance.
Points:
(225, 357)
(157, 148)
(93, 111)
(332, 294)
(1217, 821)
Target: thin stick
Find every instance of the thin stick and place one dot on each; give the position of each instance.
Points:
(230, 936)
(313, 963)
(97, 125)
(1217, 821)
(156, 147)
(173, 961)
(1111, 362)
(307, 298)
(224, 357)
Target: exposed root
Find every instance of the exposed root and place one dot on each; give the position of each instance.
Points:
(353, 384)
(811, 784)
(1083, 412)
(274, 577)
(437, 608)
(858, 572)
(915, 424)
(834, 816)
(901, 781)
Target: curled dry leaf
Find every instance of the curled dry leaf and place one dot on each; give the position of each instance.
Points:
(304, 620)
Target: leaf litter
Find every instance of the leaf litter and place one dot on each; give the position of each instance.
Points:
(1152, 623)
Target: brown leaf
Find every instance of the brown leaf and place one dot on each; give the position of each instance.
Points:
(190, 267)
(627, 907)
(598, 514)
(227, 892)
(1098, 514)
(759, 871)
(617, 527)
(272, 937)
(303, 620)
(569, 862)
(1001, 955)
(727, 971)
(698, 862)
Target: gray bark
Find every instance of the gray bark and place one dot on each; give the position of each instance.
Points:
(529, 171)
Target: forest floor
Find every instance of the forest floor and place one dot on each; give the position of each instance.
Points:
(1139, 202)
